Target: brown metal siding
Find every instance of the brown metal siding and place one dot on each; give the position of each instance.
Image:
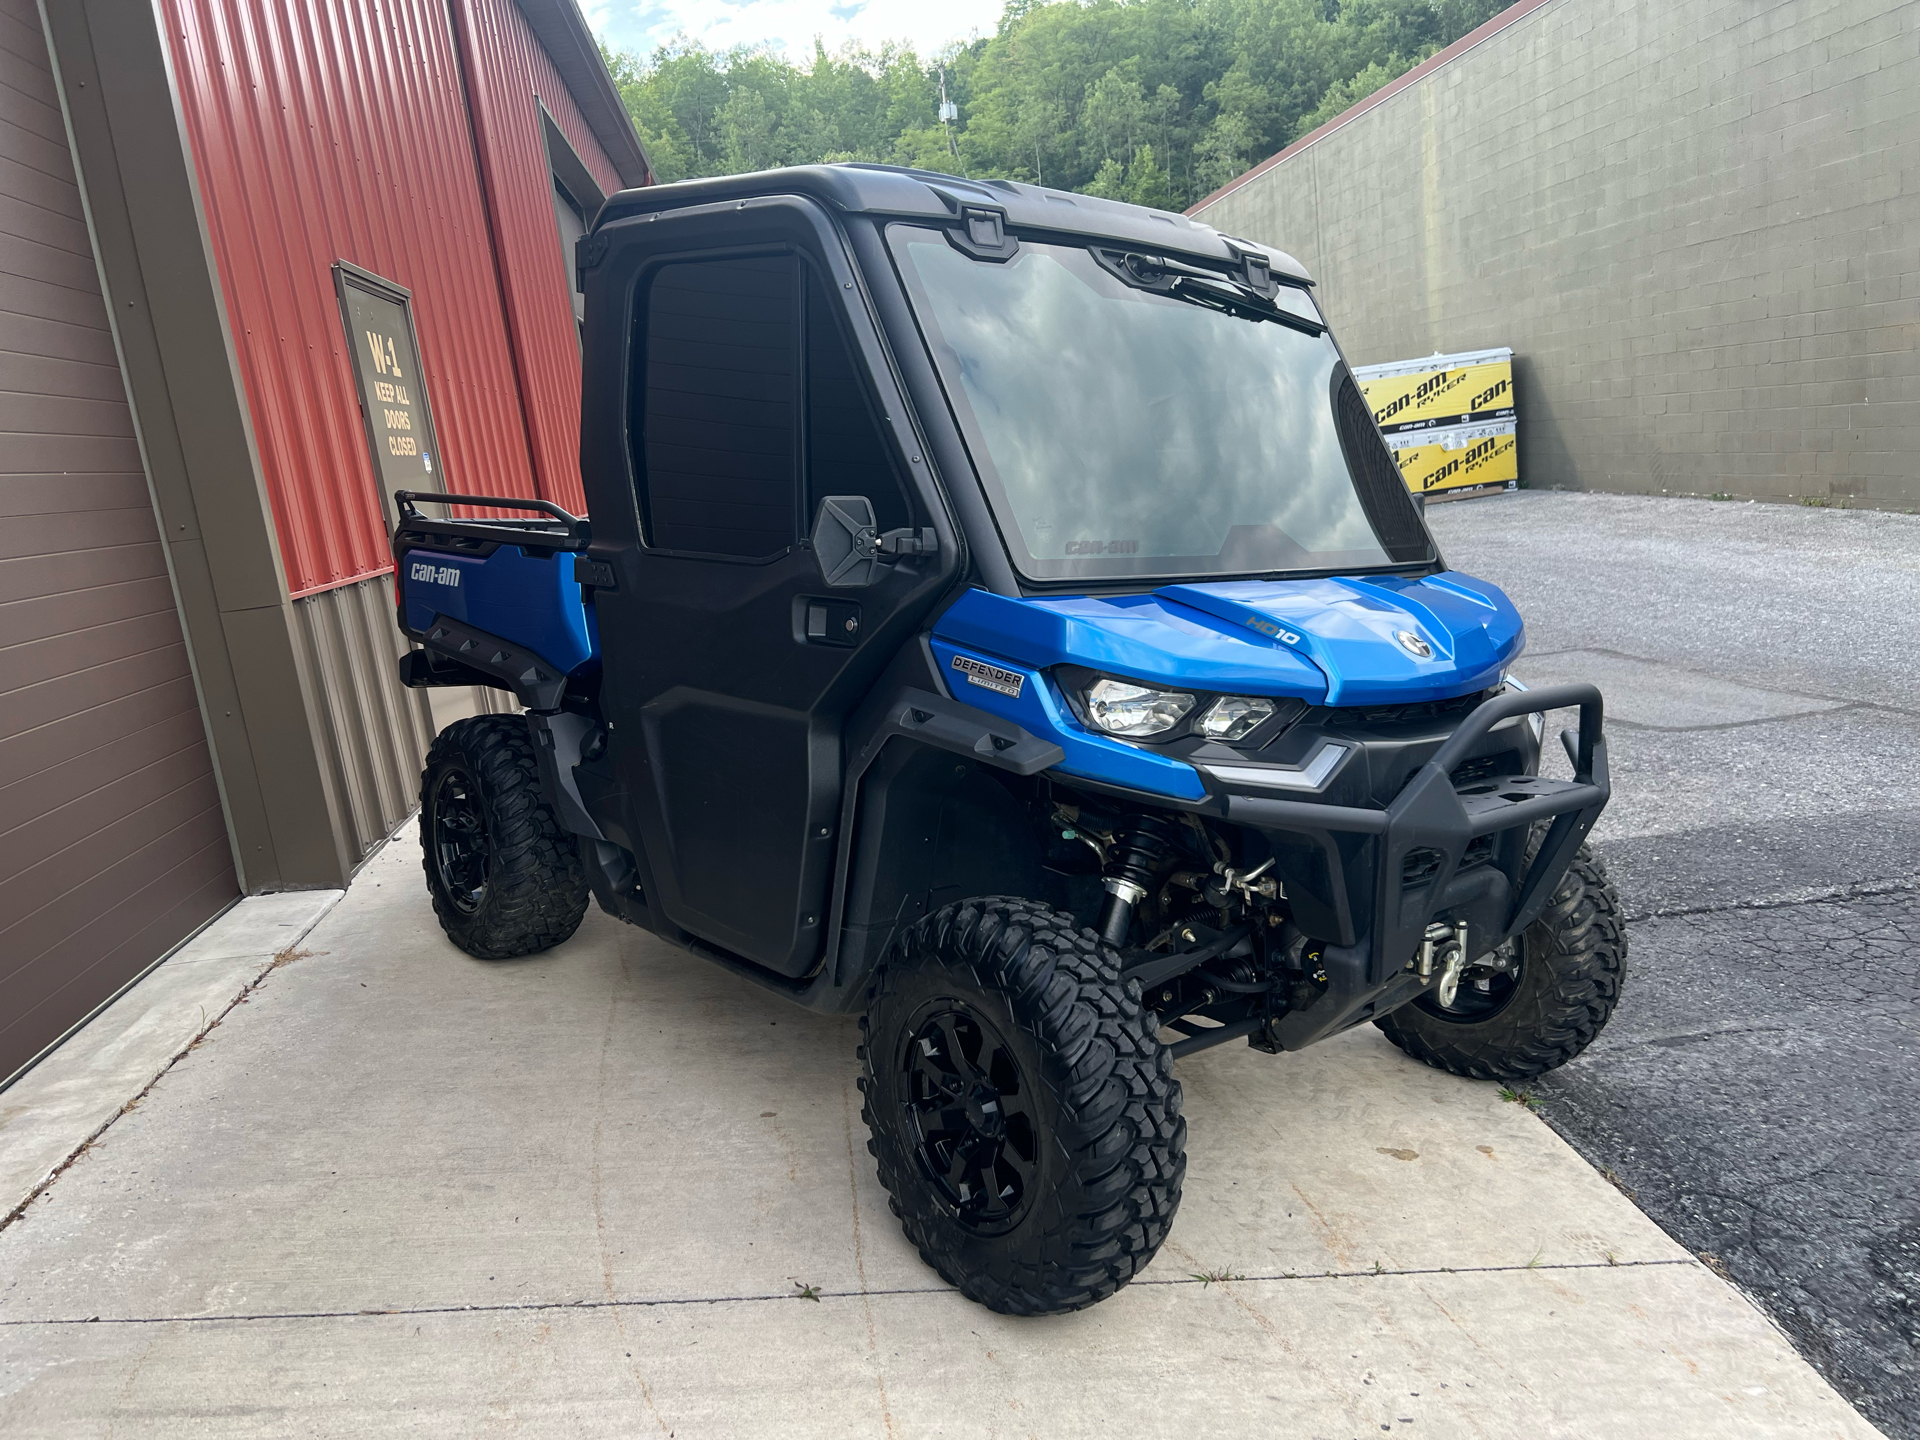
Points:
(112, 842)
(377, 731)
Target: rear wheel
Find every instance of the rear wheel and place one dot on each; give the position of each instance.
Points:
(1022, 1109)
(505, 878)
(1539, 1001)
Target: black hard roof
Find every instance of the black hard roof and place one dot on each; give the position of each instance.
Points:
(927, 194)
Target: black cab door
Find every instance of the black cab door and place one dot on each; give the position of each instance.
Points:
(735, 378)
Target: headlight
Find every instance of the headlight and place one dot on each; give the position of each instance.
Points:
(1123, 709)
(1233, 717)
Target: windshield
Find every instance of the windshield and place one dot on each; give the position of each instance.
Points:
(1125, 433)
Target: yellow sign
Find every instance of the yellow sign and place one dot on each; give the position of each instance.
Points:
(1457, 457)
(1470, 388)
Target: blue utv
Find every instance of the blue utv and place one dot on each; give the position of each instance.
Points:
(1001, 617)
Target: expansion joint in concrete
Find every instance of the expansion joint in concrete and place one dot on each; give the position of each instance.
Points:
(822, 1296)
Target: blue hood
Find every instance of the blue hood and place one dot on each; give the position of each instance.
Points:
(1331, 642)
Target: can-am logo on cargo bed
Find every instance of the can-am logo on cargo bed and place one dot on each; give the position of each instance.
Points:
(1272, 631)
(978, 672)
(434, 574)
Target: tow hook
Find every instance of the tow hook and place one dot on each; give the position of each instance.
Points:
(1444, 948)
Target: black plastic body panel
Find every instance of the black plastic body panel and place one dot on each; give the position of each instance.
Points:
(535, 681)
(725, 723)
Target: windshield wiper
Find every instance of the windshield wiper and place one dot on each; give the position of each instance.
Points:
(1242, 304)
(1210, 291)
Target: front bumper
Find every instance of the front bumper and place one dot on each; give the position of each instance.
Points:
(1440, 852)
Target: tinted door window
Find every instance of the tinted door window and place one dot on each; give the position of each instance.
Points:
(846, 452)
(719, 433)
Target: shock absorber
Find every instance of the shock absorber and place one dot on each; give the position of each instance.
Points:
(1135, 855)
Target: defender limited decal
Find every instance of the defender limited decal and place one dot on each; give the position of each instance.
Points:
(435, 574)
(978, 672)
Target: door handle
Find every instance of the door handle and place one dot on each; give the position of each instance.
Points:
(831, 622)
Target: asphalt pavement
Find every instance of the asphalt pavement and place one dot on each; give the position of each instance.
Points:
(1758, 1091)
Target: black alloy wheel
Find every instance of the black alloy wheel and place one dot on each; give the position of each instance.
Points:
(1022, 1109)
(459, 847)
(970, 1112)
(505, 878)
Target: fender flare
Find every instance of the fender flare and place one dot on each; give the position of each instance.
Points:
(912, 715)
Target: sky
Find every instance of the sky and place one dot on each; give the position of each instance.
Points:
(789, 25)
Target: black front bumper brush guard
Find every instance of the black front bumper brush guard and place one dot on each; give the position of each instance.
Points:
(1430, 814)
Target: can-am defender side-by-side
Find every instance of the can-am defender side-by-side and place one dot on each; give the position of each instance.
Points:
(1000, 616)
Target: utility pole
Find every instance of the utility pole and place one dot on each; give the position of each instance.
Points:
(949, 112)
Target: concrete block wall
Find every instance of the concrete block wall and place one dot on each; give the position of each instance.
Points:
(1697, 223)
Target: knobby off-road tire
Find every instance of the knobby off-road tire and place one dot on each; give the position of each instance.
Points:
(1572, 961)
(506, 879)
(1072, 1174)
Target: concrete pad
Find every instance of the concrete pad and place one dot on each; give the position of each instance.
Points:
(580, 1193)
(1653, 695)
(55, 1106)
(1527, 1356)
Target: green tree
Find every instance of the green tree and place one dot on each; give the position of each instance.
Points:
(1110, 182)
(1161, 100)
(1343, 94)
(1147, 182)
(1223, 152)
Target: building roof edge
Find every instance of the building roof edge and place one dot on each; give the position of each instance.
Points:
(562, 31)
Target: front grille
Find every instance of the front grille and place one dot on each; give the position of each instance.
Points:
(1419, 710)
(1420, 866)
(1474, 771)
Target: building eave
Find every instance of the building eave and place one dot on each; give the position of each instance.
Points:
(562, 31)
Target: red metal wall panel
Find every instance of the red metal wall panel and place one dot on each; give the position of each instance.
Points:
(508, 77)
(338, 129)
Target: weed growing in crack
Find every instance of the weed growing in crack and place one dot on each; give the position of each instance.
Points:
(807, 1292)
(1519, 1097)
(1207, 1277)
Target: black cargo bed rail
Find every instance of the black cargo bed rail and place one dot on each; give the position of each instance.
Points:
(562, 531)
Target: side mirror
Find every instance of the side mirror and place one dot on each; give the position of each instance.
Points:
(849, 547)
(844, 541)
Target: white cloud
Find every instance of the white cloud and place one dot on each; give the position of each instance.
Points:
(790, 25)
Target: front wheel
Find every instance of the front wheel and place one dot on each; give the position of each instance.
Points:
(505, 878)
(1536, 1003)
(1022, 1109)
